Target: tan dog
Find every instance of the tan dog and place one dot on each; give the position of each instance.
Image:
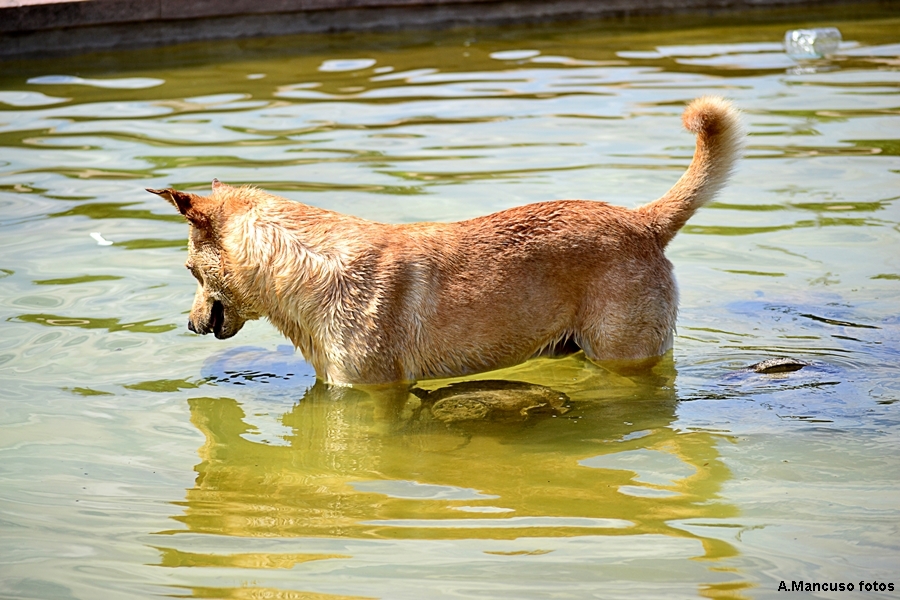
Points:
(368, 302)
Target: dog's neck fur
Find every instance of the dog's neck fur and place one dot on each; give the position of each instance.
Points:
(269, 242)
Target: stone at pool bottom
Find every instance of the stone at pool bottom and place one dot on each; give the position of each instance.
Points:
(493, 401)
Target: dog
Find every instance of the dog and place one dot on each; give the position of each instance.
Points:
(374, 303)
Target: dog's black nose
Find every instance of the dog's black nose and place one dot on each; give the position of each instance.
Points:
(191, 326)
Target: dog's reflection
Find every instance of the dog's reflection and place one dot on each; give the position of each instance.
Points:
(555, 438)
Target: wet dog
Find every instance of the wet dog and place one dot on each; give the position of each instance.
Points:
(369, 302)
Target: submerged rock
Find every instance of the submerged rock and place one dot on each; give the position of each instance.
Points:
(493, 401)
(778, 365)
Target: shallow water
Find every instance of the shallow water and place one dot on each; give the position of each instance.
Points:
(139, 460)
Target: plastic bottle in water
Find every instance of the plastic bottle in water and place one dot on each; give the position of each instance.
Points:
(812, 43)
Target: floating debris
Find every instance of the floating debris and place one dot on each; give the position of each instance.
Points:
(101, 241)
(812, 43)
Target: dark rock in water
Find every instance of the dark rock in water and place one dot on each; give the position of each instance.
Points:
(493, 401)
(778, 365)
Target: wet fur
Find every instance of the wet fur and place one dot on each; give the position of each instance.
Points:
(369, 302)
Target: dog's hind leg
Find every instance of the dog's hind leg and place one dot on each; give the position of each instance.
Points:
(619, 363)
(633, 331)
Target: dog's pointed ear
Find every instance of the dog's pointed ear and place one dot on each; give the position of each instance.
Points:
(187, 204)
(216, 184)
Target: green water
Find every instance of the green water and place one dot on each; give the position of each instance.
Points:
(138, 460)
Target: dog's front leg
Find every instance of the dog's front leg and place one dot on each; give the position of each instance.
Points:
(389, 403)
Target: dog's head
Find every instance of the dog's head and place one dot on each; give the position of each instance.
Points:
(217, 306)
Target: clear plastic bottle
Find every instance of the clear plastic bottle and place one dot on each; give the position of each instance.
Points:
(812, 43)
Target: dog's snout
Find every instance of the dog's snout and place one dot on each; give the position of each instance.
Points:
(191, 326)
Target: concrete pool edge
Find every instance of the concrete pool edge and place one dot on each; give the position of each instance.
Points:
(35, 28)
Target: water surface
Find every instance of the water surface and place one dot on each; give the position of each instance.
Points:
(138, 460)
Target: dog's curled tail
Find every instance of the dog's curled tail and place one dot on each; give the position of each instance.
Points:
(720, 142)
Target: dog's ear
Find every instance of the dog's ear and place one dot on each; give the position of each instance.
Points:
(216, 184)
(189, 205)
